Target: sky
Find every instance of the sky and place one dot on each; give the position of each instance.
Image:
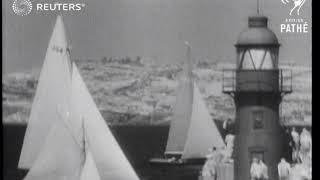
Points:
(148, 28)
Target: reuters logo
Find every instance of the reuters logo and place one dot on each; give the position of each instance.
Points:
(22, 7)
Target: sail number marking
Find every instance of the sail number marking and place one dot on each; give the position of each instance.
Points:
(57, 49)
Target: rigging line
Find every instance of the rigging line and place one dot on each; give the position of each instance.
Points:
(67, 126)
(189, 59)
(68, 54)
(258, 8)
(83, 137)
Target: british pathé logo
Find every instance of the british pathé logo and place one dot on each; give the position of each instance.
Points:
(22, 7)
(294, 23)
(296, 5)
(294, 26)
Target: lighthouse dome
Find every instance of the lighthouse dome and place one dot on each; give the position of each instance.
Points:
(257, 33)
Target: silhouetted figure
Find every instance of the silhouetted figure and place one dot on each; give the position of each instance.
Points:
(287, 146)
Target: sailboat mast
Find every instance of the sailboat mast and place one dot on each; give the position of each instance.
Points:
(189, 60)
(70, 61)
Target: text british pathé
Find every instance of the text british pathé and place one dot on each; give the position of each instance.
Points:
(294, 26)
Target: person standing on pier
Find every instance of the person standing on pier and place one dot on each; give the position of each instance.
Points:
(295, 149)
(283, 169)
(264, 170)
(255, 170)
(229, 148)
(209, 171)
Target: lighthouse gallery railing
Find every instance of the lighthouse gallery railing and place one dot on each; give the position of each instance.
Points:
(229, 78)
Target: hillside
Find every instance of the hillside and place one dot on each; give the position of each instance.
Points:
(131, 91)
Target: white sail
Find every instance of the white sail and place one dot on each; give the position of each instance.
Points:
(192, 131)
(107, 154)
(60, 158)
(181, 118)
(203, 133)
(182, 111)
(52, 90)
(89, 171)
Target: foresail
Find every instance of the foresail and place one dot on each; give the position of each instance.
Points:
(107, 154)
(52, 93)
(60, 158)
(203, 133)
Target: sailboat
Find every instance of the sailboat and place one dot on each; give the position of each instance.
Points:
(192, 131)
(79, 144)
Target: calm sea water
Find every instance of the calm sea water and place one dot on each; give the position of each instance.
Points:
(139, 143)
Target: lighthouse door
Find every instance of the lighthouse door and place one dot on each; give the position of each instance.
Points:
(257, 154)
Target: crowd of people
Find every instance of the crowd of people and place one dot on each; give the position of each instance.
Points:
(301, 146)
(219, 155)
(258, 170)
(299, 169)
(301, 154)
(214, 158)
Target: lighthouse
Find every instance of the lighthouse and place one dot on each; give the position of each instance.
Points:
(257, 85)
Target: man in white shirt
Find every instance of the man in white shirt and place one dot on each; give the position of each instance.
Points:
(264, 170)
(209, 171)
(255, 170)
(295, 137)
(283, 169)
(230, 140)
(295, 149)
(212, 153)
(305, 146)
(230, 144)
(305, 140)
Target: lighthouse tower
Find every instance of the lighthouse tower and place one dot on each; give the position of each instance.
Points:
(257, 86)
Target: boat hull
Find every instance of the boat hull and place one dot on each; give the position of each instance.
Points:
(185, 162)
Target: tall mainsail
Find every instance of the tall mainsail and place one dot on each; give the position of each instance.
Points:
(182, 112)
(106, 153)
(52, 90)
(192, 131)
(203, 133)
